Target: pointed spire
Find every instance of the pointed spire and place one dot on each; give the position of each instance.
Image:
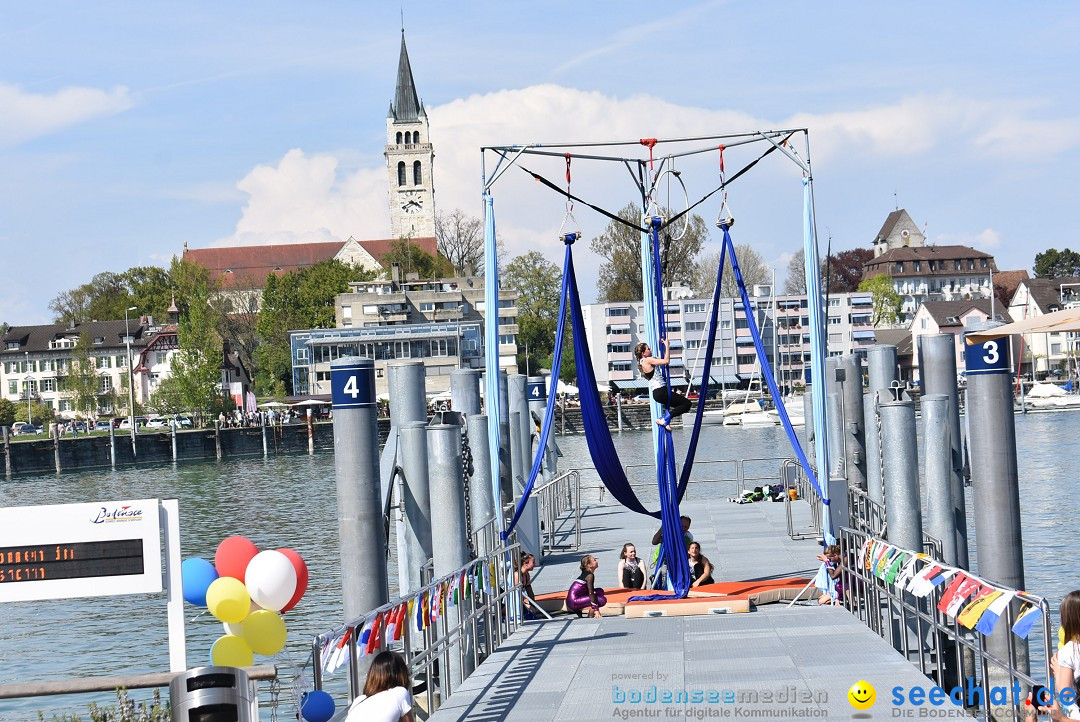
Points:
(406, 106)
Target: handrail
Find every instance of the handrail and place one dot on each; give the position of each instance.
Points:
(894, 613)
(82, 685)
(484, 618)
(553, 504)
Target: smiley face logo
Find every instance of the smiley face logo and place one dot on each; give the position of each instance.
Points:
(862, 695)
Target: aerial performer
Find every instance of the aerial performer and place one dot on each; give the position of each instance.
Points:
(676, 404)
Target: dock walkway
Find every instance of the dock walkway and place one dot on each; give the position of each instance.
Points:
(770, 663)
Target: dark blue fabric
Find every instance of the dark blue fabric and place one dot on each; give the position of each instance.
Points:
(549, 410)
(766, 371)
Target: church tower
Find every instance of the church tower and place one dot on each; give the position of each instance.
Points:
(409, 159)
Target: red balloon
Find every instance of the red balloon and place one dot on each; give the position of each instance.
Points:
(233, 555)
(301, 577)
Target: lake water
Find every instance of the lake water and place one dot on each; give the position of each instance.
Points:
(290, 501)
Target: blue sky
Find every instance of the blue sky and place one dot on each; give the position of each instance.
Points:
(131, 128)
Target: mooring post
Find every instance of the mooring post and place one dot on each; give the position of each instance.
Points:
(852, 401)
(217, 438)
(356, 453)
(112, 445)
(55, 431)
(903, 503)
(994, 478)
(266, 448)
(415, 503)
(481, 505)
(618, 410)
(465, 391)
(406, 381)
(833, 427)
(172, 430)
(881, 369)
(310, 432)
(937, 368)
(505, 468)
(937, 470)
(451, 548)
(529, 524)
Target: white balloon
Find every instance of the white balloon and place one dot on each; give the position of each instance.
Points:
(270, 580)
(237, 628)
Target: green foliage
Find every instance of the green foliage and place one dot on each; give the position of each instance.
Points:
(1053, 263)
(538, 282)
(168, 397)
(887, 303)
(620, 247)
(108, 295)
(298, 300)
(414, 259)
(7, 412)
(40, 414)
(196, 367)
(125, 710)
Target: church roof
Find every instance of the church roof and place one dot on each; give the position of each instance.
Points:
(406, 108)
(248, 266)
(889, 224)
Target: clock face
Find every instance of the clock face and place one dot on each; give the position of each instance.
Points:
(411, 202)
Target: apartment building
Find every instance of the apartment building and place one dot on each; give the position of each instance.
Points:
(440, 321)
(615, 328)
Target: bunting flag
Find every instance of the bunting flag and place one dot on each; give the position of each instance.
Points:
(373, 639)
(1028, 617)
(935, 575)
(895, 566)
(967, 589)
(391, 623)
(885, 561)
(420, 614)
(332, 647)
(951, 591)
(971, 614)
(880, 558)
(864, 550)
(907, 571)
(990, 617)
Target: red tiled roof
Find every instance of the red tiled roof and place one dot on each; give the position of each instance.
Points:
(248, 266)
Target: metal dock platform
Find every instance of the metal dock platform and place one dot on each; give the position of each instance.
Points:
(772, 663)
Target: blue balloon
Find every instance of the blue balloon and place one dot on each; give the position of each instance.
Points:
(197, 574)
(316, 706)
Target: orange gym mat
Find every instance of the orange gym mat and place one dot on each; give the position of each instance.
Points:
(716, 598)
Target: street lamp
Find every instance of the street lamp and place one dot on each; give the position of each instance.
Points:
(131, 378)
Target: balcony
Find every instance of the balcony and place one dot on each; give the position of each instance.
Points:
(448, 314)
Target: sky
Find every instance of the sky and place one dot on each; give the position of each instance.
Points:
(128, 129)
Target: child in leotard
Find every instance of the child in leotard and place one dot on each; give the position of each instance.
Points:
(583, 593)
(677, 403)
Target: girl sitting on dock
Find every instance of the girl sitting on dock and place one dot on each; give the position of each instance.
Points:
(677, 403)
(828, 577)
(583, 593)
(700, 566)
(630, 569)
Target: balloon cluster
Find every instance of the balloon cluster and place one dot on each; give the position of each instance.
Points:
(247, 591)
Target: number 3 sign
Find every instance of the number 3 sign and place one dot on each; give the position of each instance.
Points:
(988, 357)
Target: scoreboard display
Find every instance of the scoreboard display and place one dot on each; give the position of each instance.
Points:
(79, 550)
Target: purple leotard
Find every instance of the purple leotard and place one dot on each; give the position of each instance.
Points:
(577, 598)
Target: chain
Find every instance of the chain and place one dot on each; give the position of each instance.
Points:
(468, 470)
(881, 463)
(275, 691)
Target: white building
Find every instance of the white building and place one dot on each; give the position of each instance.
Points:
(1042, 352)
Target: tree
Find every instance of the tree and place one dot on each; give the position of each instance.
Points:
(1053, 263)
(196, 366)
(413, 259)
(755, 272)
(71, 307)
(460, 239)
(40, 414)
(619, 277)
(795, 283)
(845, 269)
(538, 282)
(887, 303)
(7, 412)
(82, 381)
(296, 300)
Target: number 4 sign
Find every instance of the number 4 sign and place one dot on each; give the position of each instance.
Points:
(352, 384)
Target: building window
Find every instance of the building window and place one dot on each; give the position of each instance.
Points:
(725, 323)
(507, 339)
(617, 311)
(401, 173)
(836, 337)
(620, 366)
(402, 349)
(745, 359)
(48, 385)
(12, 388)
(301, 354)
(693, 343)
(105, 384)
(65, 404)
(429, 307)
(1055, 349)
(417, 174)
(694, 308)
(399, 138)
(917, 265)
(618, 348)
(834, 303)
(695, 326)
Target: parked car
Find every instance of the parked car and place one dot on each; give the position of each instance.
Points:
(641, 397)
(25, 430)
(157, 422)
(103, 424)
(117, 421)
(183, 422)
(140, 421)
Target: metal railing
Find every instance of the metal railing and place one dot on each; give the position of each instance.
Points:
(561, 494)
(437, 636)
(940, 646)
(743, 473)
(794, 477)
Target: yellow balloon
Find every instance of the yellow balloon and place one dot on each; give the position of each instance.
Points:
(264, 632)
(1061, 637)
(228, 600)
(231, 651)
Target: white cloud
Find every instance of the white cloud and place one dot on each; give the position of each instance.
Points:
(304, 198)
(987, 238)
(31, 115)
